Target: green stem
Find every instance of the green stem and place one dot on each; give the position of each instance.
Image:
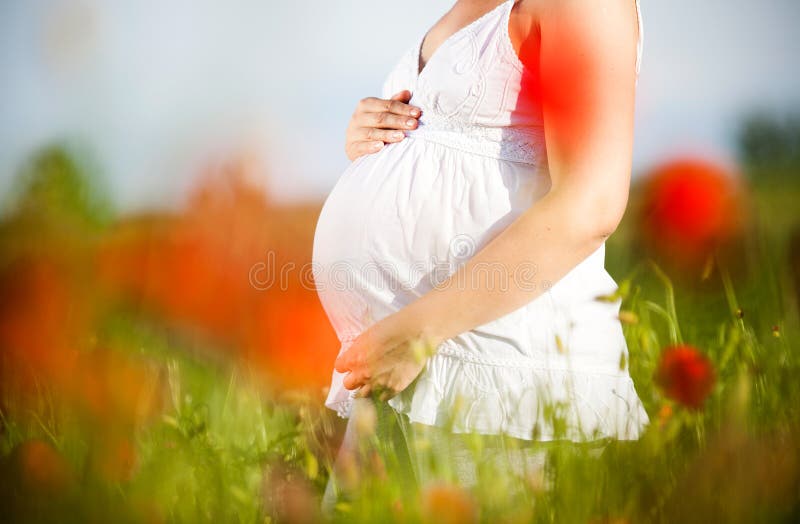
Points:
(670, 290)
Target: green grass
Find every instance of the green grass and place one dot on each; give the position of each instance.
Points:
(224, 446)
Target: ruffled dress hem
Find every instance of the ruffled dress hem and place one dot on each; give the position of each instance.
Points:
(519, 398)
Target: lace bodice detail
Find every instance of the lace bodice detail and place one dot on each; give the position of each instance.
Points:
(475, 92)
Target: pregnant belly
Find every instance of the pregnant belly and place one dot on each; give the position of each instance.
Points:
(400, 221)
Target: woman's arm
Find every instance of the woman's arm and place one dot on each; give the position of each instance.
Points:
(586, 59)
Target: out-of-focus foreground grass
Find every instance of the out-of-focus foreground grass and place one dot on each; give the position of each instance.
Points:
(152, 371)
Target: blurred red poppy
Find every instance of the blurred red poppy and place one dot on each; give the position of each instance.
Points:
(447, 503)
(113, 458)
(41, 467)
(40, 321)
(196, 271)
(685, 375)
(115, 391)
(691, 208)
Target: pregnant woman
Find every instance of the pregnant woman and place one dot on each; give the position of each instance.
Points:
(460, 255)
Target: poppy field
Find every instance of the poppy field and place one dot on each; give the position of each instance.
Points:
(152, 369)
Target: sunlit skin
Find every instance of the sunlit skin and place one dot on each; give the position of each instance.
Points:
(585, 53)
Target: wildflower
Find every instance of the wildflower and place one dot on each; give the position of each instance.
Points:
(114, 459)
(685, 375)
(664, 414)
(691, 207)
(41, 467)
(398, 508)
(448, 504)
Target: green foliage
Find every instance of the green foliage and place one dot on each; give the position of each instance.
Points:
(769, 148)
(226, 447)
(56, 185)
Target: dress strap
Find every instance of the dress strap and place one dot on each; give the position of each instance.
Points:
(640, 42)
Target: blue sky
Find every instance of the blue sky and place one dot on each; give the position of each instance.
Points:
(157, 88)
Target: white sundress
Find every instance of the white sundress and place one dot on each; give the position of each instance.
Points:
(400, 220)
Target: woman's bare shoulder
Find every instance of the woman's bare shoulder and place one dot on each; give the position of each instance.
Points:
(597, 12)
(611, 21)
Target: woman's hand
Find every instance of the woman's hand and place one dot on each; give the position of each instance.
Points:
(377, 122)
(384, 360)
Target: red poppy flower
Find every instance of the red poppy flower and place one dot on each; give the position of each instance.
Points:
(686, 375)
(197, 270)
(444, 503)
(41, 467)
(690, 208)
